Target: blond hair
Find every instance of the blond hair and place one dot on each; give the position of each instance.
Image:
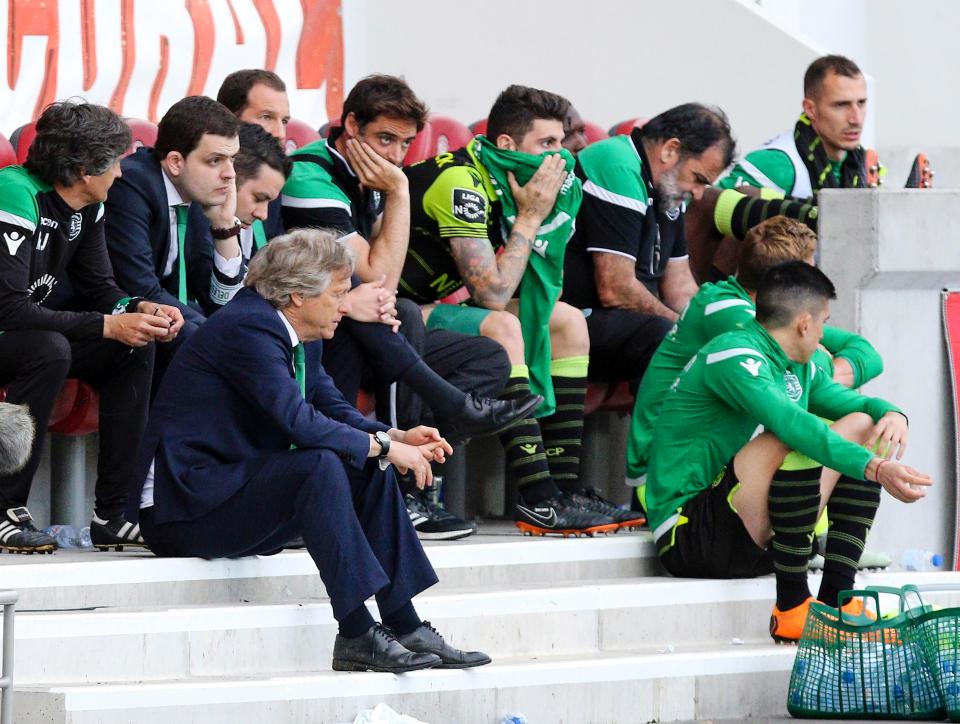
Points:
(772, 242)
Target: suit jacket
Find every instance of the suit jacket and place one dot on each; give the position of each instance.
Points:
(228, 399)
(200, 265)
(138, 232)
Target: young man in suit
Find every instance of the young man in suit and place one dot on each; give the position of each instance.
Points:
(52, 225)
(264, 448)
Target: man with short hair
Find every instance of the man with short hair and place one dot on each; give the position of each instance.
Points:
(264, 448)
(512, 192)
(148, 208)
(716, 494)
(257, 96)
(352, 182)
(52, 224)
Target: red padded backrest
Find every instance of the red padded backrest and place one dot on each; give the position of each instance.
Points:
(324, 130)
(624, 127)
(21, 139)
(439, 135)
(299, 134)
(8, 156)
(144, 133)
(479, 128)
(594, 132)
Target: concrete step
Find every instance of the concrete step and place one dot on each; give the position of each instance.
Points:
(497, 556)
(600, 688)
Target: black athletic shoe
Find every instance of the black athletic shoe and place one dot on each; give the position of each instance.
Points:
(485, 416)
(560, 516)
(378, 650)
(433, 522)
(114, 533)
(427, 640)
(18, 534)
(590, 499)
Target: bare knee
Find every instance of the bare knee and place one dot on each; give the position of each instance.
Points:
(505, 329)
(855, 427)
(568, 331)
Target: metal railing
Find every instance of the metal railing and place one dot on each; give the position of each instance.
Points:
(8, 599)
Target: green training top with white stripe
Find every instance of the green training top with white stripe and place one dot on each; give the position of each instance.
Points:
(736, 382)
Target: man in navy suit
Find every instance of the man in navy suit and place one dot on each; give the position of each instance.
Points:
(147, 208)
(249, 444)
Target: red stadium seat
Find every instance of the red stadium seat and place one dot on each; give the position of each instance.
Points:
(439, 135)
(144, 134)
(479, 128)
(461, 295)
(624, 127)
(75, 411)
(299, 134)
(21, 140)
(324, 130)
(594, 132)
(8, 157)
(612, 397)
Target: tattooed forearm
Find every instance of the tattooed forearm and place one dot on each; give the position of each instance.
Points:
(491, 279)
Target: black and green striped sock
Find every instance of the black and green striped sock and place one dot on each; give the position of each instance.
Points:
(563, 430)
(523, 446)
(794, 503)
(851, 510)
(735, 213)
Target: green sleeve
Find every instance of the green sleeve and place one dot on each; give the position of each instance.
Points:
(745, 381)
(832, 400)
(457, 201)
(764, 168)
(863, 358)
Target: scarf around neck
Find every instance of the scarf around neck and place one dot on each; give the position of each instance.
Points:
(853, 169)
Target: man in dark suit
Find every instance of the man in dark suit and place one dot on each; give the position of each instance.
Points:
(147, 208)
(220, 477)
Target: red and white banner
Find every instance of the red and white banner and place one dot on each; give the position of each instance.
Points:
(140, 56)
(951, 328)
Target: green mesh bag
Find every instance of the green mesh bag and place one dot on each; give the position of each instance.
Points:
(858, 667)
(939, 635)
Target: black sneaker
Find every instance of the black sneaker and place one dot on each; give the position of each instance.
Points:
(590, 499)
(485, 416)
(114, 533)
(432, 521)
(18, 534)
(560, 516)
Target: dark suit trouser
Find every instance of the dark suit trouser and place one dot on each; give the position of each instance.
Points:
(353, 522)
(34, 365)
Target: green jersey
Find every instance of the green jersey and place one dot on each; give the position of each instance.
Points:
(735, 383)
(714, 310)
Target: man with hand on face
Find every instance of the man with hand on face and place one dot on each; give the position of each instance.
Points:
(147, 209)
(352, 182)
(717, 493)
(513, 191)
(264, 448)
(52, 224)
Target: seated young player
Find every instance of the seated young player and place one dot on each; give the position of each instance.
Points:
(716, 494)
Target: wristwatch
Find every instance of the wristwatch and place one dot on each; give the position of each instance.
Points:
(228, 233)
(384, 440)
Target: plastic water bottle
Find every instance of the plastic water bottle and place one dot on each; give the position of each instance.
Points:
(513, 719)
(83, 538)
(65, 535)
(914, 559)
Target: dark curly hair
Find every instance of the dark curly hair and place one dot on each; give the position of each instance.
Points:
(75, 138)
(383, 95)
(258, 148)
(517, 107)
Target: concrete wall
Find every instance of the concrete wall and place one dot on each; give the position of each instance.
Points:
(890, 253)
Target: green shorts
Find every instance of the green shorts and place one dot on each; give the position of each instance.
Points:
(457, 318)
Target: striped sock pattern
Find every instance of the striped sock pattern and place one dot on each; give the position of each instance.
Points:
(523, 447)
(563, 432)
(793, 504)
(851, 510)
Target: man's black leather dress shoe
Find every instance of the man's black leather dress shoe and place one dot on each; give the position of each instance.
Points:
(426, 639)
(379, 650)
(485, 416)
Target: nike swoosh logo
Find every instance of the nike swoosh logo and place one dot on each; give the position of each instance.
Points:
(547, 520)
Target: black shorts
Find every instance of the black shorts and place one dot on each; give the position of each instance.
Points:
(713, 543)
(622, 343)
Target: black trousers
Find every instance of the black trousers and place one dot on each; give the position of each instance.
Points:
(354, 523)
(622, 343)
(33, 367)
(471, 364)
